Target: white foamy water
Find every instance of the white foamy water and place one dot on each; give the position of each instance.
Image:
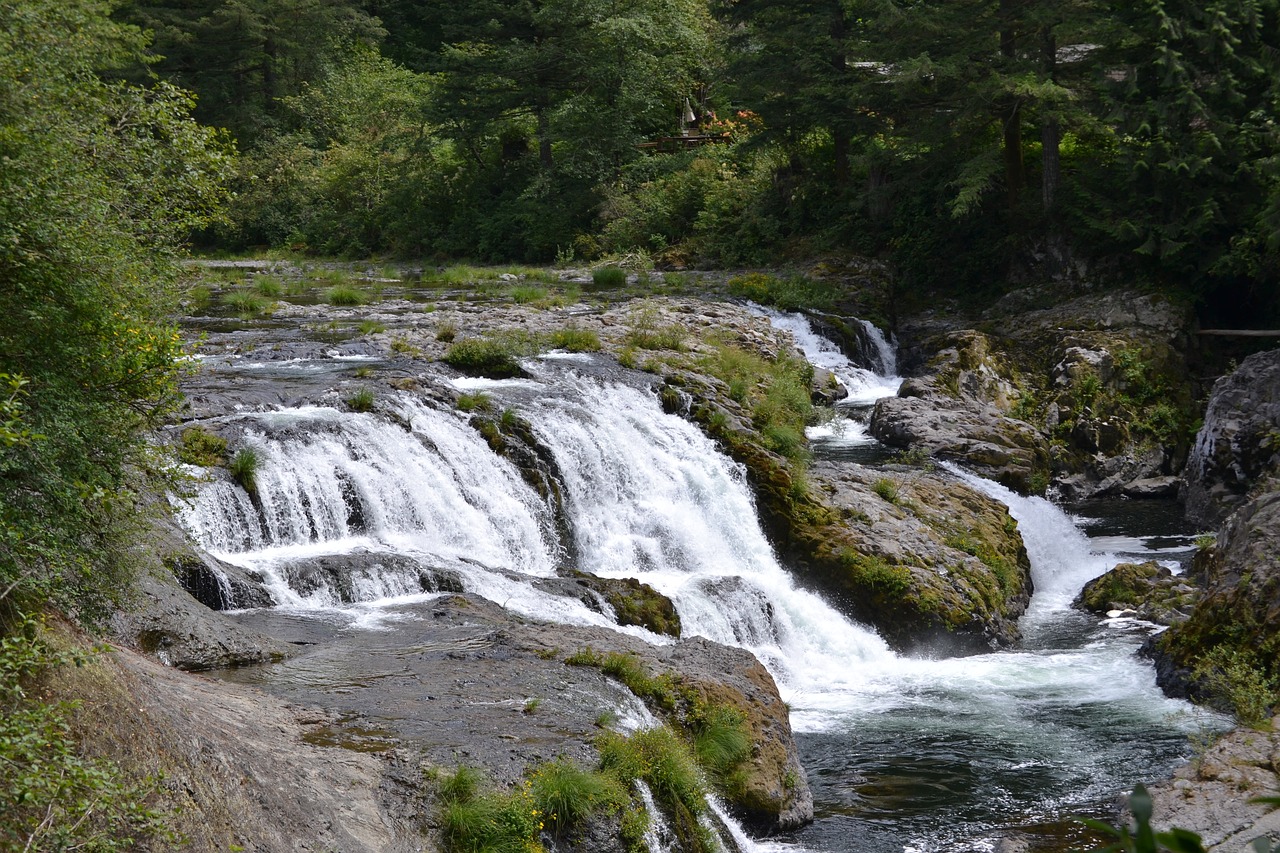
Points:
(866, 384)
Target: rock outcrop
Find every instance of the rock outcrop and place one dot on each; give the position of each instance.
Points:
(1147, 590)
(1239, 443)
(1087, 395)
(1212, 795)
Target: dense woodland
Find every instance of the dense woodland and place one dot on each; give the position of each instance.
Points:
(968, 143)
(1122, 140)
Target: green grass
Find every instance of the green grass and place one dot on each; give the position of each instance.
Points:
(609, 278)
(345, 294)
(790, 294)
(477, 820)
(245, 304)
(268, 286)
(477, 402)
(371, 327)
(362, 400)
(524, 294)
(574, 339)
(776, 393)
(244, 468)
(446, 331)
(886, 489)
(566, 794)
(483, 356)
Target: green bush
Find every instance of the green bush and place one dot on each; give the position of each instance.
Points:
(55, 798)
(886, 489)
(483, 356)
(789, 294)
(201, 447)
(1235, 679)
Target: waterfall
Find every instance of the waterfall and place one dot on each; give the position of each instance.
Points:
(651, 497)
(866, 383)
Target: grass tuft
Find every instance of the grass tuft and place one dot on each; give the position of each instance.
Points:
(244, 468)
(345, 294)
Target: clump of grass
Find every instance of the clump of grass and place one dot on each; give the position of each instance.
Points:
(566, 794)
(345, 294)
(721, 741)
(476, 820)
(575, 339)
(477, 402)
(198, 296)
(631, 671)
(609, 278)
(775, 392)
(525, 294)
(244, 468)
(647, 333)
(371, 327)
(483, 356)
(201, 447)
(446, 331)
(361, 400)
(245, 304)
(364, 371)
(401, 346)
(268, 286)
(664, 762)
(531, 706)
(886, 489)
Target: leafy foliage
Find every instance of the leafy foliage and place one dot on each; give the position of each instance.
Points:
(101, 180)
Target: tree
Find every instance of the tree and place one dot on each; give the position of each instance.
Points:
(242, 56)
(99, 183)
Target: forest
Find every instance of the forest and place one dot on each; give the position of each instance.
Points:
(970, 145)
(1108, 140)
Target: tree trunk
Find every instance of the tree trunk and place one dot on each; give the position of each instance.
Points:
(544, 140)
(1050, 133)
(1015, 175)
(841, 138)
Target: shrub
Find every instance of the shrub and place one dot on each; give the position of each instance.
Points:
(244, 468)
(574, 339)
(789, 294)
(201, 447)
(345, 294)
(886, 489)
(483, 356)
(55, 797)
(609, 278)
(362, 400)
(1235, 679)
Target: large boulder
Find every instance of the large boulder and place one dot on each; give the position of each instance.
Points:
(1088, 395)
(1239, 442)
(1149, 590)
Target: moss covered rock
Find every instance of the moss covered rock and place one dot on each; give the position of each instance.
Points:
(1148, 589)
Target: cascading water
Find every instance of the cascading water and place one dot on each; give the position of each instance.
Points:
(903, 753)
(877, 377)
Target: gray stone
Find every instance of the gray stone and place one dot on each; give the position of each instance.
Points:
(1239, 442)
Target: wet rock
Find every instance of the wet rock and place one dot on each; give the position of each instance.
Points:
(351, 578)
(161, 619)
(1146, 590)
(1239, 443)
(631, 602)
